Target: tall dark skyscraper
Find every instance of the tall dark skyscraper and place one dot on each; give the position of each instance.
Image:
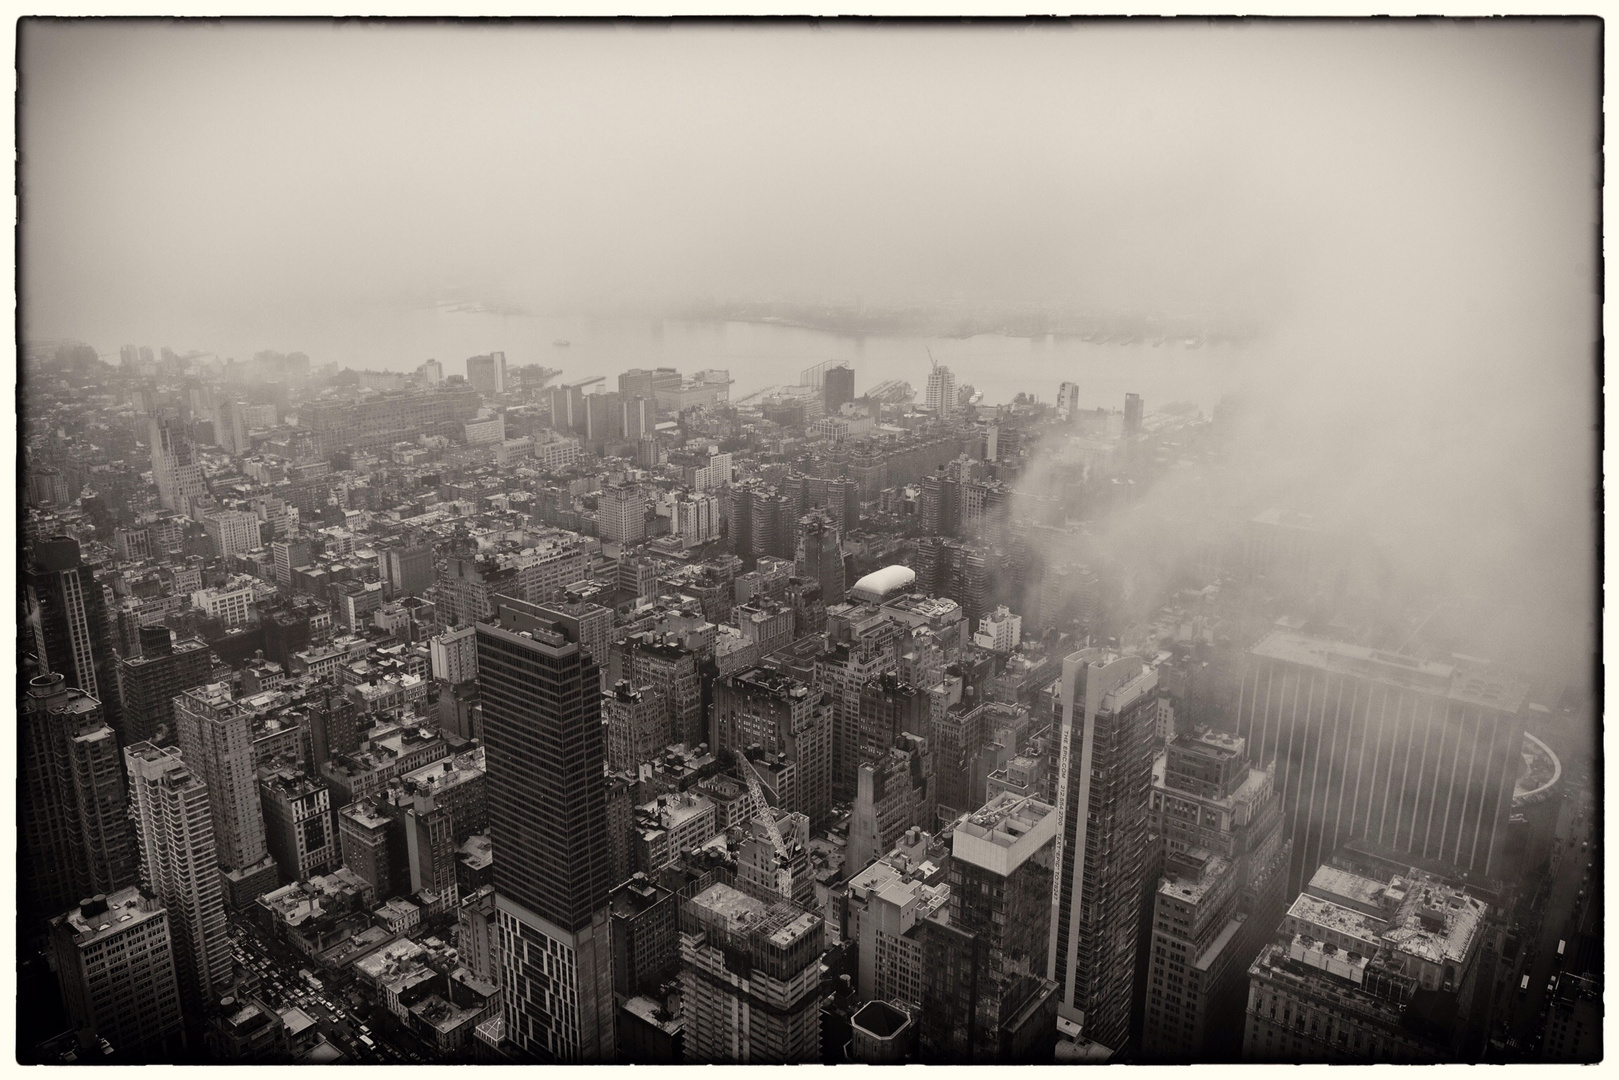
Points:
(839, 388)
(149, 682)
(548, 808)
(983, 998)
(820, 555)
(73, 811)
(68, 620)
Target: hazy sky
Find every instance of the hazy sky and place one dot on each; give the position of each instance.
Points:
(179, 167)
(1409, 209)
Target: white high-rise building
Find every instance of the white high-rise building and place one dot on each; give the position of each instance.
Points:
(232, 532)
(1067, 400)
(941, 394)
(999, 632)
(216, 739)
(168, 801)
(621, 514)
(454, 655)
(697, 519)
(714, 475)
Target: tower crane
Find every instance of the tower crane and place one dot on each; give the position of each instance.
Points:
(784, 873)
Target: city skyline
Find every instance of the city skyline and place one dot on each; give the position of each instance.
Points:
(1047, 542)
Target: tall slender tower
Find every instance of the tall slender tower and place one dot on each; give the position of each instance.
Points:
(820, 555)
(68, 620)
(176, 470)
(983, 998)
(1104, 782)
(216, 737)
(178, 863)
(74, 831)
(941, 392)
(543, 739)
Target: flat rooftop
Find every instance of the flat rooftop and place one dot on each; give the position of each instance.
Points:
(739, 910)
(1471, 685)
(1312, 911)
(1341, 885)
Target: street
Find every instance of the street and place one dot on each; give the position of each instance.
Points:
(1568, 911)
(335, 1013)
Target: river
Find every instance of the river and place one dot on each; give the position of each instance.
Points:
(759, 355)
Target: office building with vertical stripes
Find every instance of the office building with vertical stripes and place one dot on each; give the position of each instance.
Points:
(1414, 755)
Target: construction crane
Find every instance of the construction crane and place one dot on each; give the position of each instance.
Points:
(784, 873)
(582, 383)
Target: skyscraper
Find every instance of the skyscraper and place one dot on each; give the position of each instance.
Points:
(68, 620)
(216, 737)
(488, 373)
(1132, 414)
(115, 964)
(543, 737)
(839, 388)
(820, 556)
(637, 725)
(783, 717)
(150, 681)
(176, 469)
(410, 568)
(984, 1000)
(750, 979)
(941, 392)
(568, 409)
(73, 812)
(1221, 895)
(1104, 780)
(175, 831)
(621, 513)
(1344, 722)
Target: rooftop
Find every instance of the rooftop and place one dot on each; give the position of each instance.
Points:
(880, 1019)
(738, 910)
(1438, 925)
(448, 773)
(1312, 911)
(1005, 832)
(771, 682)
(111, 915)
(653, 1013)
(1472, 684)
(1193, 887)
(1350, 889)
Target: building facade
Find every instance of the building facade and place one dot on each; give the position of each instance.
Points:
(543, 745)
(1104, 782)
(175, 831)
(1415, 756)
(985, 999)
(750, 978)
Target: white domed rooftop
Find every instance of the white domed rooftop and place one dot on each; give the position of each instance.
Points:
(879, 585)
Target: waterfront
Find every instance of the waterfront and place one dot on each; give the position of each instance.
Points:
(756, 354)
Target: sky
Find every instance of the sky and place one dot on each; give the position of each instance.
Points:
(1408, 210)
